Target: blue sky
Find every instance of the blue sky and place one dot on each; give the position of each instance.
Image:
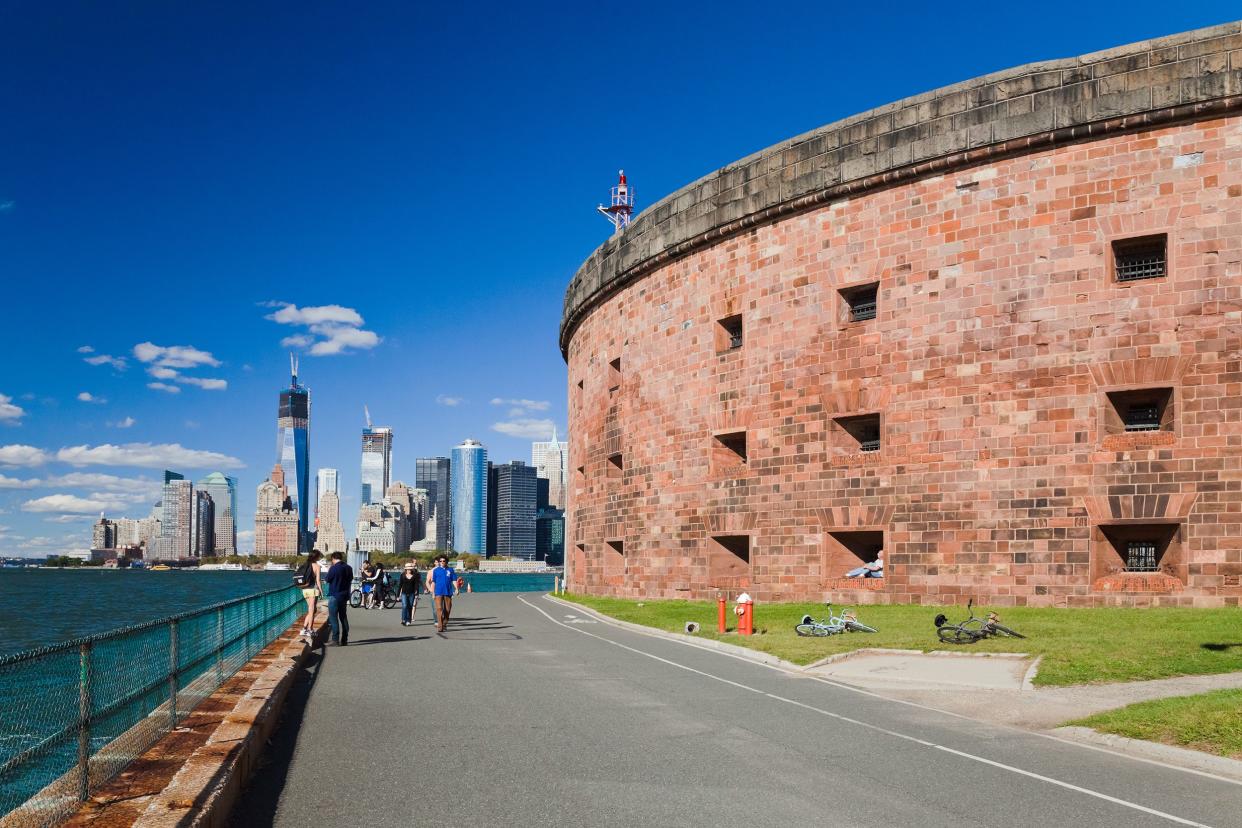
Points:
(398, 191)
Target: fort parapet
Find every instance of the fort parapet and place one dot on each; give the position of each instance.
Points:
(994, 330)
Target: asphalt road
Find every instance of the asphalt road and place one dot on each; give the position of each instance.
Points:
(523, 715)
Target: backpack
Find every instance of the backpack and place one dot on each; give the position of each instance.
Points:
(303, 577)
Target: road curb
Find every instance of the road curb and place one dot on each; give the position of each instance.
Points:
(705, 643)
(1170, 754)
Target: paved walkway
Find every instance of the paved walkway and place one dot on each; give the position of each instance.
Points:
(517, 717)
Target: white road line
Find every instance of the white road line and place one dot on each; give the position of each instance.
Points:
(924, 743)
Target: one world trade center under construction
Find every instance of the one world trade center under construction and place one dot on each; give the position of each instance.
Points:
(293, 448)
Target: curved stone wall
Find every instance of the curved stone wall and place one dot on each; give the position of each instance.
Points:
(995, 220)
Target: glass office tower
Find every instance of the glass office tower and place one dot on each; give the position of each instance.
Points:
(223, 491)
(293, 450)
(468, 475)
(376, 464)
(432, 474)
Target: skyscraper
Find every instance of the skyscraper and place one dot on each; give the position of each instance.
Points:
(551, 462)
(204, 522)
(176, 519)
(515, 510)
(275, 519)
(293, 448)
(468, 476)
(325, 481)
(376, 463)
(432, 474)
(223, 491)
(330, 536)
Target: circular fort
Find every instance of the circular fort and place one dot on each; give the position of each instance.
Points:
(990, 333)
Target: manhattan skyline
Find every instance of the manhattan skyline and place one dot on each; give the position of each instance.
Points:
(177, 215)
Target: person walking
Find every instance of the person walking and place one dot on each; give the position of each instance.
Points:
(368, 583)
(441, 582)
(409, 586)
(340, 580)
(312, 590)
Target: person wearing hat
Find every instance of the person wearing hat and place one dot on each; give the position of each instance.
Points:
(409, 587)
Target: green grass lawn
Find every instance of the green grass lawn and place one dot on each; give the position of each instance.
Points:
(1079, 646)
(1211, 722)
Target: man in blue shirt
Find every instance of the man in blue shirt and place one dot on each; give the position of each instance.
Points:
(340, 580)
(441, 583)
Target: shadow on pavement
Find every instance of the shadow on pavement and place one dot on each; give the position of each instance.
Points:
(389, 640)
(258, 802)
(478, 634)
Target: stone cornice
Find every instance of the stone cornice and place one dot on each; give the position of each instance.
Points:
(1189, 76)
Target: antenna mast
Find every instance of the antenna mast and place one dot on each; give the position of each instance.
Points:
(621, 210)
(366, 411)
(293, 368)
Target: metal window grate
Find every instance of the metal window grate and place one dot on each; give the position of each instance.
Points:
(1140, 556)
(1145, 261)
(735, 339)
(1143, 418)
(870, 445)
(860, 311)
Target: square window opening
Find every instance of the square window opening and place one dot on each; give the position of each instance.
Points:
(858, 547)
(615, 466)
(1141, 547)
(728, 561)
(729, 333)
(730, 448)
(1140, 258)
(736, 545)
(614, 374)
(862, 431)
(861, 303)
(617, 546)
(1139, 410)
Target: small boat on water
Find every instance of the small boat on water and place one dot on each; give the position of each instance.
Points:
(161, 568)
(224, 567)
(272, 566)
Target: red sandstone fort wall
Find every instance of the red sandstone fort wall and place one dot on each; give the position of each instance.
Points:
(999, 333)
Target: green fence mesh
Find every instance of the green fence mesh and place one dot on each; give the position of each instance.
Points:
(75, 714)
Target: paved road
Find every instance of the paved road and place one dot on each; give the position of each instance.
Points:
(523, 715)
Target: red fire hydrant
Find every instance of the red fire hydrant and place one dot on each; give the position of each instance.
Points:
(746, 614)
(722, 624)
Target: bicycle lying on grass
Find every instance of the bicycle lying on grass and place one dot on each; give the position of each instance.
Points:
(972, 629)
(847, 621)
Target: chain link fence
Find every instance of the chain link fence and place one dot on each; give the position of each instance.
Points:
(73, 715)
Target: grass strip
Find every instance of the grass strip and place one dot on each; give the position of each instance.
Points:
(1079, 646)
(1210, 722)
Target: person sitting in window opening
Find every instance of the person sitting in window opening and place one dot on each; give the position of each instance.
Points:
(871, 569)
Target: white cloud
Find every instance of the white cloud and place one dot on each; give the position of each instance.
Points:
(333, 329)
(521, 409)
(65, 503)
(451, 402)
(137, 488)
(526, 428)
(20, 455)
(205, 383)
(163, 386)
(69, 518)
(118, 363)
(88, 397)
(86, 349)
(147, 455)
(173, 356)
(162, 373)
(5, 206)
(128, 422)
(15, 483)
(245, 540)
(10, 413)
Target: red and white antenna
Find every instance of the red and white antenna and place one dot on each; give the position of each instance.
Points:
(621, 210)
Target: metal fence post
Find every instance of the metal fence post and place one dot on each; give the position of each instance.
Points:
(172, 675)
(219, 647)
(84, 720)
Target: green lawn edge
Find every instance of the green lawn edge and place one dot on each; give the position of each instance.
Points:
(1076, 646)
(1209, 722)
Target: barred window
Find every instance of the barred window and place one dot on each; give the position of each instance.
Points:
(861, 302)
(1141, 556)
(1141, 258)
